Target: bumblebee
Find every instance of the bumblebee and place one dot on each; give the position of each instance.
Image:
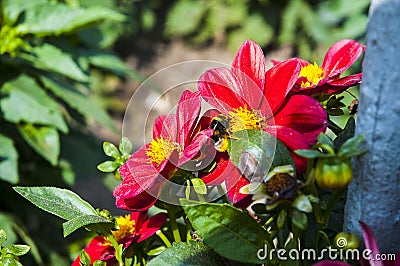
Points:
(220, 136)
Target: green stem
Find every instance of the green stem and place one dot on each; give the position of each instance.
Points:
(164, 238)
(174, 225)
(114, 243)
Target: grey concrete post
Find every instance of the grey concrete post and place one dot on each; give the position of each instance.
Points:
(374, 195)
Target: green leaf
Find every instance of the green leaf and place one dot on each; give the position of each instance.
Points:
(125, 146)
(299, 219)
(17, 250)
(44, 140)
(310, 154)
(85, 105)
(110, 150)
(11, 262)
(27, 102)
(156, 251)
(7, 224)
(45, 19)
(12, 9)
(199, 186)
(351, 147)
(84, 220)
(280, 222)
(60, 202)
(177, 21)
(302, 203)
(347, 133)
(225, 228)
(108, 166)
(53, 59)
(99, 263)
(8, 160)
(192, 253)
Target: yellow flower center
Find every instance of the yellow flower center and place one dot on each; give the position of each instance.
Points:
(313, 73)
(126, 227)
(160, 149)
(244, 118)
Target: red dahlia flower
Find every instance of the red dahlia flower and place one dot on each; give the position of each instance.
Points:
(133, 228)
(326, 79)
(176, 140)
(257, 99)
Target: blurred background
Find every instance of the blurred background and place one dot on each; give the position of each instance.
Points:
(68, 69)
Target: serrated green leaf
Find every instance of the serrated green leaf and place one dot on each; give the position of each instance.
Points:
(52, 58)
(27, 102)
(111, 150)
(44, 140)
(85, 105)
(192, 253)
(125, 146)
(17, 250)
(60, 202)
(84, 220)
(224, 228)
(45, 19)
(8, 160)
(108, 166)
(299, 219)
(199, 186)
(310, 154)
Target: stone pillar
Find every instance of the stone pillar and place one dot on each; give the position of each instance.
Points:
(374, 195)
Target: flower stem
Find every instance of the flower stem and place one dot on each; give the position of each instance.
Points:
(174, 225)
(114, 243)
(164, 238)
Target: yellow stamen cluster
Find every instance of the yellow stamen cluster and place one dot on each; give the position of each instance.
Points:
(313, 73)
(126, 227)
(160, 149)
(244, 118)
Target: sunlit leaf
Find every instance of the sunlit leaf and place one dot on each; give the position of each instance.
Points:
(8, 160)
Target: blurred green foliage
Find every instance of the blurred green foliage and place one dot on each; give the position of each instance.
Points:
(52, 55)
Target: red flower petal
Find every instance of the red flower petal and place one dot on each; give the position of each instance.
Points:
(221, 171)
(293, 141)
(186, 115)
(165, 126)
(151, 226)
(249, 68)
(303, 114)
(195, 146)
(341, 56)
(233, 184)
(370, 243)
(220, 88)
(279, 80)
(96, 247)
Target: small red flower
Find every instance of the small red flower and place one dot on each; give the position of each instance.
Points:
(134, 228)
(177, 138)
(327, 78)
(257, 99)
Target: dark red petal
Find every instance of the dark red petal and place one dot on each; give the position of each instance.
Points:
(165, 126)
(233, 184)
(139, 217)
(187, 114)
(249, 68)
(370, 242)
(338, 85)
(195, 146)
(341, 56)
(222, 170)
(303, 114)
(220, 88)
(151, 226)
(138, 201)
(293, 141)
(279, 80)
(96, 247)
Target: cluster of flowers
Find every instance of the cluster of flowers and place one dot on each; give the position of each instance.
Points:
(280, 101)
